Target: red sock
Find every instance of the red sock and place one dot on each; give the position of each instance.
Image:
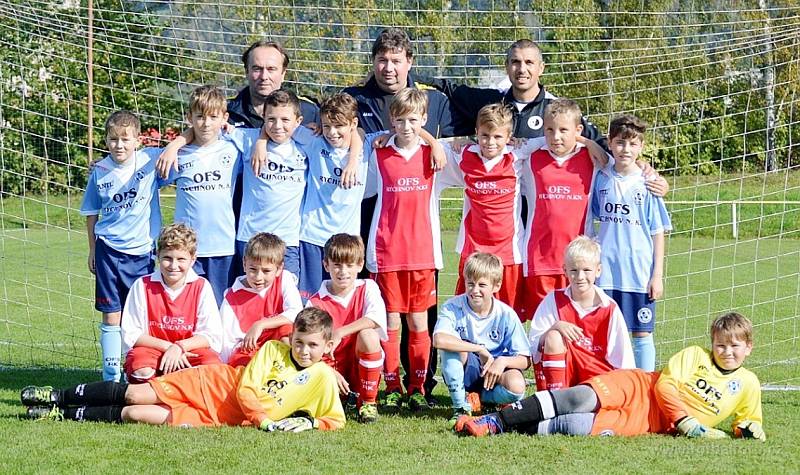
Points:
(391, 364)
(554, 368)
(419, 352)
(369, 373)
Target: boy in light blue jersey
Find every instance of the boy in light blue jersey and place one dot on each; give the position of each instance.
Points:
(631, 235)
(205, 177)
(122, 220)
(329, 207)
(481, 341)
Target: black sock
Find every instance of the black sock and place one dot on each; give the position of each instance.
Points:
(522, 413)
(94, 413)
(99, 393)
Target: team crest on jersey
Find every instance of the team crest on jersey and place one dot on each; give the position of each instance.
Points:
(603, 192)
(734, 386)
(638, 198)
(494, 335)
(226, 161)
(302, 378)
(140, 175)
(644, 315)
(535, 122)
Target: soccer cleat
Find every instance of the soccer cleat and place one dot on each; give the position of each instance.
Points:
(37, 396)
(45, 413)
(417, 402)
(474, 400)
(458, 412)
(393, 402)
(432, 400)
(368, 413)
(478, 426)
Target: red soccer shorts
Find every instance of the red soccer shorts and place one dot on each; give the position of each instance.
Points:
(536, 289)
(142, 357)
(581, 365)
(407, 291)
(511, 292)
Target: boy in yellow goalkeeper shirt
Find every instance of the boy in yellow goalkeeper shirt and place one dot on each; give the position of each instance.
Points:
(697, 390)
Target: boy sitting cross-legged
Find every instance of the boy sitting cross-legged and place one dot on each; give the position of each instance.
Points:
(481, 341)
(170, 320)
(359, 322)
(262, 304)
(578, 332)
(283, 388)
(698, 390)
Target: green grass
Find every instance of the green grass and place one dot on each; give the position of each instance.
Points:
(47, 324)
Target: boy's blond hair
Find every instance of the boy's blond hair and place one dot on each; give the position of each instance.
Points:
(281, 98)
(483, 265)
(208, 100)
(123, 119)
(732, 325)
(339, 109)
(562, 106)
(344, 249)
(177, 237)
(627, 127)
(495, 116)
(265, 247)
(408, 101)
(582, 248)
(314, 320)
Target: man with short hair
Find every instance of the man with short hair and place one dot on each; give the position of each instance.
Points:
(265, 64)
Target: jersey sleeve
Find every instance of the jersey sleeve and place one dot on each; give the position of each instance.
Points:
(209, 323)
(451, 175)
(544, 318)
(371, 187)
(659, 221)
(232, 334)
(515, 341)
(375, 308)
(134, 316)
(667, 390)
(304, 137)
(253, 399)
(90, 206)
(446, 322)
(525, 147)
(292, 303)
(619, 352)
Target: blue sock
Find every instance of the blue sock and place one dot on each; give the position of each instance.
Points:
(499, 395)
(644, 352)
(453, 374)
(111, 345)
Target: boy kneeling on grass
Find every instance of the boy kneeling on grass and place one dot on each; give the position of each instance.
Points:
(283, 388)
(697, 390)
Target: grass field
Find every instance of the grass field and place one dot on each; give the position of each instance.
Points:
(48, 334)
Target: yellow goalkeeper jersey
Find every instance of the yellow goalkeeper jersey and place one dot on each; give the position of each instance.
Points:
(272, 387)
(705, 391)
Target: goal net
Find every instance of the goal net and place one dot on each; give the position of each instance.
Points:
(717, 82)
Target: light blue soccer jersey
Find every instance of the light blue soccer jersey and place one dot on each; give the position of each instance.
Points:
(125, 199)
(328, 208)
(272, 201)
(629, 216)
(204, 191)
(500, 332)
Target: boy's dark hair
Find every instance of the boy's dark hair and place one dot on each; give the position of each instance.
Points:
(627, 126)
(207, 100)
(265, 247)
(265, 44)
(177, 236)
(340, 109)
(393, 40)
(524, 44)
(281, 98)
(123, 119)
(344, 249)
(313, 320)
(732, 324)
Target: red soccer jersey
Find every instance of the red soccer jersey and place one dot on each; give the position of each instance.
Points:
(342, 316)
(491, 207)
(559, 208)
(405, 232)
(249, 307)
(594, 324)
(172, 320)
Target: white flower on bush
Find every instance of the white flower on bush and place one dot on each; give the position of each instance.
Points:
(19, 83)
(44, 74)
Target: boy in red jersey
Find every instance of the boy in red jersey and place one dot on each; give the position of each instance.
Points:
(578, 332)
(262, 304)
(404, 248)
(359, 322)
(170, 320)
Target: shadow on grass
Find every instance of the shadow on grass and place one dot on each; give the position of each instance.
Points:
(14, 379)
